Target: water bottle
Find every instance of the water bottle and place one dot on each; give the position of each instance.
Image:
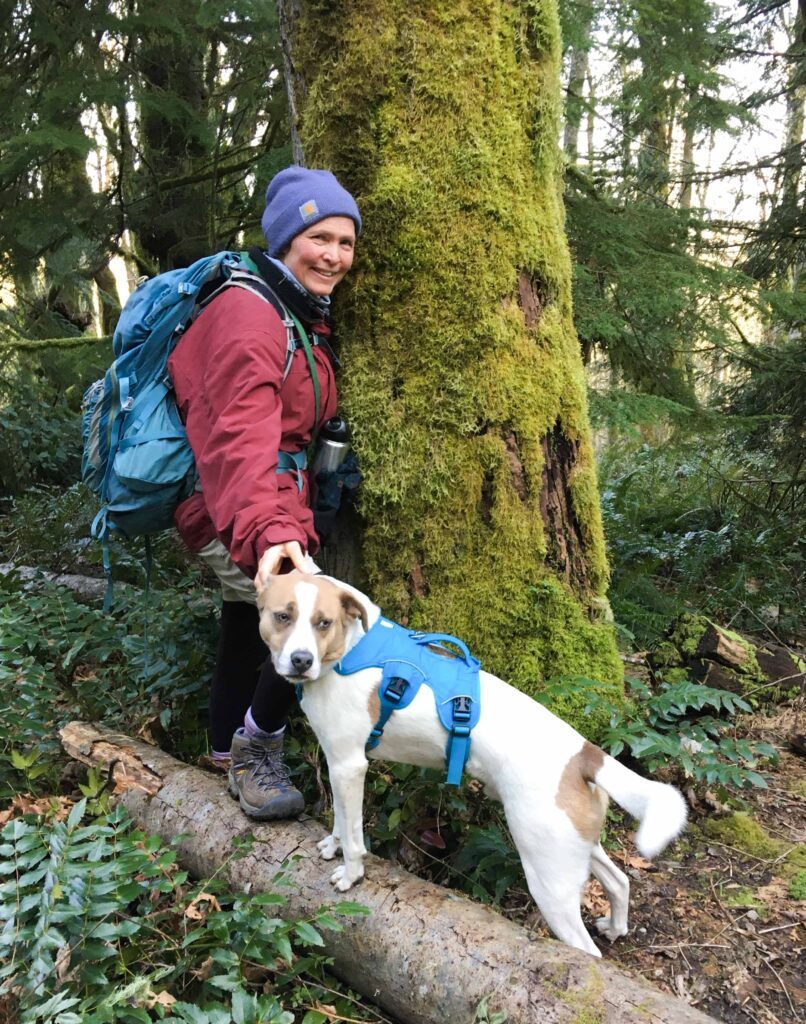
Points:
(333, 445)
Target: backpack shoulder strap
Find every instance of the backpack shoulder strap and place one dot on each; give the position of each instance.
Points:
(249, 279)
(253, 259)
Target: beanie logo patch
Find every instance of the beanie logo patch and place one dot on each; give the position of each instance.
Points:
(308, 211)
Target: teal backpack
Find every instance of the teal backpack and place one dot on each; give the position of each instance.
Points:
(136, 457)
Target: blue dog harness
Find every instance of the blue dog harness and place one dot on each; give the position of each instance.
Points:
(408, 660)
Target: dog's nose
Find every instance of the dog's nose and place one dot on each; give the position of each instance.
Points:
(301, 660)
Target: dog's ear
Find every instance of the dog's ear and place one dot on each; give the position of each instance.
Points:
(262, 590)
(355, 609)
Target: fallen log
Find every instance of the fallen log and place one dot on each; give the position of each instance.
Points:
(87, 588)
(726, 660)
(424, 954)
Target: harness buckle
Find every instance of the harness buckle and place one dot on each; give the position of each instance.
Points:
(395, 689)
(462, 710)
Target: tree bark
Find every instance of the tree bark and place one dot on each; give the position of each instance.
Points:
(424, 954)
(463, 379)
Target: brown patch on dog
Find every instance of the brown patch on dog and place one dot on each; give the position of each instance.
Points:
(335, 648)
(374, 705)
(276, 596)
(585, 807)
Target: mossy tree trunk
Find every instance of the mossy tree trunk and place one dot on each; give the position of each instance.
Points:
(463, 380)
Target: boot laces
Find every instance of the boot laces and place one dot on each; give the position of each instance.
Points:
(269, 765)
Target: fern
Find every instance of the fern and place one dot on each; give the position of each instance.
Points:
(97, 924)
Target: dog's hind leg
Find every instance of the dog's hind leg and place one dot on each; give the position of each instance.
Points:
(617, 889)
(556, 869)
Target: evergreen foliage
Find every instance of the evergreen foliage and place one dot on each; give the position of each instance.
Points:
(133, 130)
(99, 925)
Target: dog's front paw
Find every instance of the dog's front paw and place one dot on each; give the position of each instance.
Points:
(344, 879)
(605, 927)
(328, 847)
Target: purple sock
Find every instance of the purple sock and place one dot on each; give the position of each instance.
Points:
(252, 729)
(220, 756)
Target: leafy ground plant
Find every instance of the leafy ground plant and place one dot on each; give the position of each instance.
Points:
(146, 665)
(681, 725)
(97, 924)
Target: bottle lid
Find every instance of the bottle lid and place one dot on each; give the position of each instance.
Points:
(335, 429)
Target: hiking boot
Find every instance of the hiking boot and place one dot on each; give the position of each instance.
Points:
(258, 777)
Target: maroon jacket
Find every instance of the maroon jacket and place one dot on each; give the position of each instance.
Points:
(227, 372)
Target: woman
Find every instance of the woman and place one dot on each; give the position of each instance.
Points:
(242, 404)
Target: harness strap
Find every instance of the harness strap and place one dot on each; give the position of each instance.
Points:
(100, 531)
(458, 747)
(391, 694)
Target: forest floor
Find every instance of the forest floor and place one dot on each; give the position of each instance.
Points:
(715, 924)
(716, 920)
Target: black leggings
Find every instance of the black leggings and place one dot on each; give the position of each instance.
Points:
(244, 676)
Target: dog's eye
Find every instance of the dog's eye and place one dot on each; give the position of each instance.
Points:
(282, 618)
(324, 624)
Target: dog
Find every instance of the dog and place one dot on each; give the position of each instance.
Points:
(553, 784)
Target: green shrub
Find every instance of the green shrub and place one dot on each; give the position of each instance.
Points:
(149, 661)
(98, 925)
(682, 725)
(40, 436)
(696, 522)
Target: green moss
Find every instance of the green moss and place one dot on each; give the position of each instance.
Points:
(682, 643)
(797, 886)
(742, 833)
(795, 861)
(443, 120)
(742, 897)
(586, 1003)
(688, 632)
(665, 655)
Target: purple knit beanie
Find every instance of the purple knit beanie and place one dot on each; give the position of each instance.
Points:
(298, 197)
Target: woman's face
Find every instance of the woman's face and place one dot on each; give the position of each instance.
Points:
(321, 255)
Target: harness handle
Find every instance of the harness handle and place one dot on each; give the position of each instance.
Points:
(440, 639)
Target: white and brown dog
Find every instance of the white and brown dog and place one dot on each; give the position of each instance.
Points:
(551, 781)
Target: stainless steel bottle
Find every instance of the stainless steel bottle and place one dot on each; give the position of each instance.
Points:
(333, 445)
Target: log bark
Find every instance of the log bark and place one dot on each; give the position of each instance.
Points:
(717, 645)
(88, 588)
(424, 954)
(728, 661)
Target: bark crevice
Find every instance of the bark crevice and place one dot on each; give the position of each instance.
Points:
(564, 538)
(534, 294)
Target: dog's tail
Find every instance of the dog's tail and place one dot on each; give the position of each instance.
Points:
(660, 808)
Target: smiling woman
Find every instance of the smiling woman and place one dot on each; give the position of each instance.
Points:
(251, 402)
